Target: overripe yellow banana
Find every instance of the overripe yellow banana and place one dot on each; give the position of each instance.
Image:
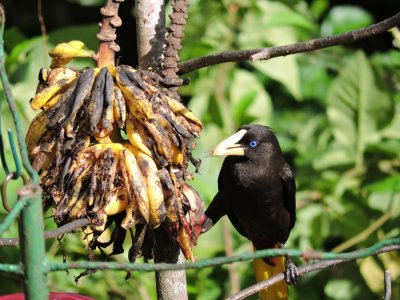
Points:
(137, 183)
(157, 210)
(113, 145)
(135, 133)
(63, 53)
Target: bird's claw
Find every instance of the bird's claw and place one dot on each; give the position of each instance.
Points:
(291, 276)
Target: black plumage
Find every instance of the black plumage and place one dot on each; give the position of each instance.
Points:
(256, 188)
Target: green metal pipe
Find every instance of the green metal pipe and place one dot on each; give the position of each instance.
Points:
(31, 235)
(13, 214)
(31, 222)
(380, 247)
(8, 268)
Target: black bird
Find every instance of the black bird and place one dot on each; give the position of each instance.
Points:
(256, 189)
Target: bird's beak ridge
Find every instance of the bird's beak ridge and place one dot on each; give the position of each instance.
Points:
(229, 146)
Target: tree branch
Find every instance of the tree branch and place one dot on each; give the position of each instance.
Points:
(388, 286)
(74, 225)
(320, 265)
(271, 52)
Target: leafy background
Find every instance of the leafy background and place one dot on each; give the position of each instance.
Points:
(336, 113)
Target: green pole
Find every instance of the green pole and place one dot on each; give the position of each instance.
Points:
(31, 225)
(33, 249)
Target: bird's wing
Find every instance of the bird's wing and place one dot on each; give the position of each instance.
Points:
(289, 192)
(220, 181)
(235, 222)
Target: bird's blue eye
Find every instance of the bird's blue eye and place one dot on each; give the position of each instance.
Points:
(253, 143)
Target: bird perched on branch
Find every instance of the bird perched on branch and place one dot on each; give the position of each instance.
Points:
(257, 191)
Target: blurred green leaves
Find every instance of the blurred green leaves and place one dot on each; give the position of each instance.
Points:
(336, 113)
(342, 137)
(343, 18)
(357, 109)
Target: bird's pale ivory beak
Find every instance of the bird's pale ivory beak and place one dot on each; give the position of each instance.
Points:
(229, 146)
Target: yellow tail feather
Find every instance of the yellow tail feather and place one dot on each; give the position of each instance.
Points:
(264, 271)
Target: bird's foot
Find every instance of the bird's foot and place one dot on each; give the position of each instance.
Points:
(291, 276)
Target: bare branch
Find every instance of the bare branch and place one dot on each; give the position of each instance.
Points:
(271, 52)
(74, 225)
(324, 264)
(42, 24)
(107, 36)
(388, 285)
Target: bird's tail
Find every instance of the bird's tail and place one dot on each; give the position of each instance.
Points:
(263, 271)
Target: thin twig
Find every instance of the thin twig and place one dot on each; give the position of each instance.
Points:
(271, 52)
(72, 226)
(320, 265)
(42, 25)
(388, 285)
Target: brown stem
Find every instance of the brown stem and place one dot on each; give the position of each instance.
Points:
(175, 35)
(107, 36)
(267, 53)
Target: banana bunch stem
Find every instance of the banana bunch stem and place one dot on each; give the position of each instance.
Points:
(107, 46)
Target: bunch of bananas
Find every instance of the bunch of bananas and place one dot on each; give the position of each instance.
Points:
(112, 145)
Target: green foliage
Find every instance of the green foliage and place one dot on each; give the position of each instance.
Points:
(336, 113)
(345, 18)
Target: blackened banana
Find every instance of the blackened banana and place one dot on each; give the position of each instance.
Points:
(108, 115)
(96, 104)
(82, 90)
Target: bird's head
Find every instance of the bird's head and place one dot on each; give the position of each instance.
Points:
(251, 141)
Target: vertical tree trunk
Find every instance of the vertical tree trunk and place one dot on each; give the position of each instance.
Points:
(150, 27)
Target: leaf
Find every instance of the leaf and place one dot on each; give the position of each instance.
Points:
(13, 36)
(88, 2)
(382, 200)
(272, 25)
(279, 14)
(388, 184)
(314, 79)
(335, 156)
(340, 289)
(357, 108)
(249, 100)
(206, 181)
(372, 274)
(391, 261)
(285, 70)
(343, 18)
(201, 96)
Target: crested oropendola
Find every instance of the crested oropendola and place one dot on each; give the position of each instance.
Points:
(256, 190)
